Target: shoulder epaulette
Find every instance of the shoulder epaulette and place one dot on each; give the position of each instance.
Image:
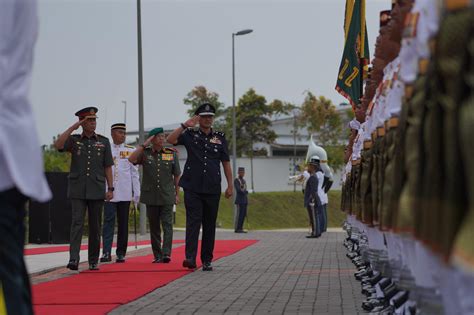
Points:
(76, 135)
(220, 133)
(130, 146)
(169, 149)
(101, 136)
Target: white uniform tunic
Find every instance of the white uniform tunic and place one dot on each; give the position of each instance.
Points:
(21, 162)
(321, 194)
(125, 174)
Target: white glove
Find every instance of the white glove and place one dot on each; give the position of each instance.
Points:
(136, 200)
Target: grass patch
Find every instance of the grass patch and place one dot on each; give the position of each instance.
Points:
(272, 210)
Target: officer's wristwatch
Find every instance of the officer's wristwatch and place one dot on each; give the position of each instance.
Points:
(111, 189)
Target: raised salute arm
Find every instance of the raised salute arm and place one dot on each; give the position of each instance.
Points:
(59, 143)
(135, 156)
(173, 137)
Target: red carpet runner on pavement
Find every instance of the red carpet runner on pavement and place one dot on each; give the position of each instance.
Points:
(65, 248)
(98, 292)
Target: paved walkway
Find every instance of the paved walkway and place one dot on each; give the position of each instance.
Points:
(283, 273)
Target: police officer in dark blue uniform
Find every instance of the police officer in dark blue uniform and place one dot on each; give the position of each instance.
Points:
(201, 181)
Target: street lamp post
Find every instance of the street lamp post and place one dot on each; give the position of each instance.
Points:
(234, 136)
(125, 112)
(141, 131)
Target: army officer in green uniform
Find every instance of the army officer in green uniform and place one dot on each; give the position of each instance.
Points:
(91, 165)
(159, 190)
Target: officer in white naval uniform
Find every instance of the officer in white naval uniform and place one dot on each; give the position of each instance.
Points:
(127, 187)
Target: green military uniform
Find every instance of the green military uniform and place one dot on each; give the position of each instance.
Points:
(366, 185)
(158, 192)
(89, 158)
(464, 246)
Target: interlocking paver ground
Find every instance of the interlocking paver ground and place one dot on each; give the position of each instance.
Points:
(284, 273)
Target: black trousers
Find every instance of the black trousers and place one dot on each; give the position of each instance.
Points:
(94, 209)
(242, 210)
(14, 282)
(120, 210)
(200, 209)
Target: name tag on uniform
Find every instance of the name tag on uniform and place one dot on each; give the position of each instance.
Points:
(124, 154)
(215, 140)
(167, 157)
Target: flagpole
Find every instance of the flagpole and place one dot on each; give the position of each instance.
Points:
(362, 50)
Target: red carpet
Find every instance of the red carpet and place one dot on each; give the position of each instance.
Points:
(65, 248)
(116, 284)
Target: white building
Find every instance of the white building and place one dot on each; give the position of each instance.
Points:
(271, 172)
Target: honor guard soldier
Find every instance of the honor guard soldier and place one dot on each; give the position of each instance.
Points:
(21, 163)
(127, 188)
(201, 181)
(311, 198)
(160, 190)
(91, 166)
(241, 199)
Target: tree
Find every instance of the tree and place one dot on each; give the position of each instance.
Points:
(200, 95)
(55, 161)
(253, 124)
(320, 117)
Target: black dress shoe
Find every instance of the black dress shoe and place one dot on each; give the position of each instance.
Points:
(120, 259)
(206, 266)
(384, 282)
(313, 236)
(399, 299)
(93, 266)
(240, 231)
(166, 259)
(390, 291)
(106, 258)
(73, 265)
(188, 263)
(371, 304)
(157, 260)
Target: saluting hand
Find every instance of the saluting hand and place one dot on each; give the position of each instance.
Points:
(148, 141)
(78, 123)
(229, 192)
(191, 122)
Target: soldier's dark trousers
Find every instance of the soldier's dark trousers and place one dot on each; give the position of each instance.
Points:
(200, 209)
(324, 218)
(94, 208)
(314, 220)
(120, 210)
(14, 281)
(242, 210)
(160, 216)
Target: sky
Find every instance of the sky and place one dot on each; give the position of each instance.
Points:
(86, 55)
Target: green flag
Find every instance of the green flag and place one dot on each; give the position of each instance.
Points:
(355, 58)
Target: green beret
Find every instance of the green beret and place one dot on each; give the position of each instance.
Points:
(155, 131)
